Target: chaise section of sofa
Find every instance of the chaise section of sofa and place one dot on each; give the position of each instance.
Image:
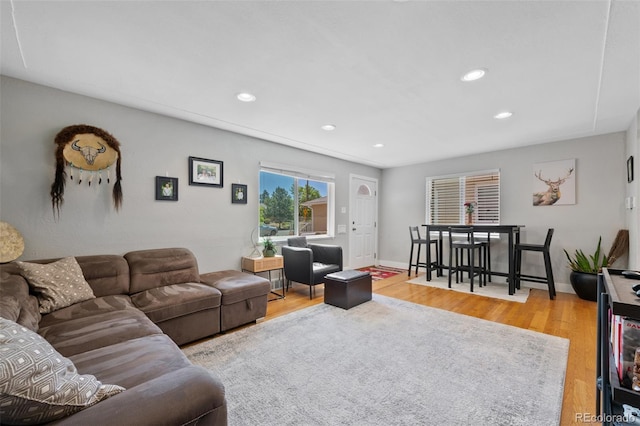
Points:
(162, 386)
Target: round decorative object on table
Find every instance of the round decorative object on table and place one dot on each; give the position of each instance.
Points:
(11, 243)
(268, 253)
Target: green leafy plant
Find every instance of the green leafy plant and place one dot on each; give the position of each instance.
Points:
(591, 264)
(269, 245)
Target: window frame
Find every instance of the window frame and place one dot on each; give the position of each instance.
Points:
(298, 173)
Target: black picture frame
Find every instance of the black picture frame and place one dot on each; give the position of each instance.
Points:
(630, 169)
(205, 172)
(238, 193)
(166, 188)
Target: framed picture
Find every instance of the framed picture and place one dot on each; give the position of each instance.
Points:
(166, 188)
(205, 172)
(238, 193)
(630, 169)
(554, 183)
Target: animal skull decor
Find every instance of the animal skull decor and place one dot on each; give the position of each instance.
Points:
(85, 149)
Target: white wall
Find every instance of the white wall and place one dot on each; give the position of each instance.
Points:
(633, 190)
(599, 208)
(203, 220)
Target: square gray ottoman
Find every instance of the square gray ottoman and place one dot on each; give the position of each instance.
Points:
(346, 289)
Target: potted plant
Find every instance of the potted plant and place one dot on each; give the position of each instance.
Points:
(584, 272)
(269, 248)
(469, 208)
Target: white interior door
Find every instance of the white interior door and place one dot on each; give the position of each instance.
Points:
(363, 202)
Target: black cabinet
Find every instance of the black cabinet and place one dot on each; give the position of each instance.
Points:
(615, 297)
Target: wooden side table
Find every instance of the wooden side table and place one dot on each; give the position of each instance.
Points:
(266, 264)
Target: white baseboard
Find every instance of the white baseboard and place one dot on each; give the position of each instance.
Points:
(560, 287)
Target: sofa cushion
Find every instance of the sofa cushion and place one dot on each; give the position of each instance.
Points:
(37, 384)
(58, 284)
(95, 323)
(106, 274)
(160, 267)
(88, 308)
(237, 286)
(172, 301)
(132, 362)
(13, 285)
(9, 308)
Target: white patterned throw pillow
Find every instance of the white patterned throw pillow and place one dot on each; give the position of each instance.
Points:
(58, 284)
(39, 385)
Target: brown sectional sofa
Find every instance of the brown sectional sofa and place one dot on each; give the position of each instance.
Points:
(146, 303)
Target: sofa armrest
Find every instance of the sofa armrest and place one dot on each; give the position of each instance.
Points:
(187, 396)
(328, 254)
(298, 264)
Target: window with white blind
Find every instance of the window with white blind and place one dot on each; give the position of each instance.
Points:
(454, 199)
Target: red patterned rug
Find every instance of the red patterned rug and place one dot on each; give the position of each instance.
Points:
(382, 272)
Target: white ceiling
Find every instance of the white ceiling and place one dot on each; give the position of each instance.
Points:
(382, 71)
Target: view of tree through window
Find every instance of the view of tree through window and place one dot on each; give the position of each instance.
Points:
(292, 206)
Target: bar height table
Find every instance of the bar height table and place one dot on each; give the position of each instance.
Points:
(513, 238)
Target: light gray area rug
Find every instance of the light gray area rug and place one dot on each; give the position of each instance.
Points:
(495, 289)
(387, 362)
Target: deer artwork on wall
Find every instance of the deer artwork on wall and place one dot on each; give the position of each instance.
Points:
(552, 194)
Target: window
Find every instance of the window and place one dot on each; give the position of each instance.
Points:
(449, 196)
(295, 202)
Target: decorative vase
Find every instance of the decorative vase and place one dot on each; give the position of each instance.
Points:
(268, 253)
(469, 218)
(585, 285)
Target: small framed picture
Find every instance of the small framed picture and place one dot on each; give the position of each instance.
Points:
(630, 169)
(205, 172)
(166, 188)
(238, 193)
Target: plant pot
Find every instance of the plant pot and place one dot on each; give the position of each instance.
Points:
(585, 285)
(268, 253)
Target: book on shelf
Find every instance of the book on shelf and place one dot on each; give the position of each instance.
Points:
(625, 339)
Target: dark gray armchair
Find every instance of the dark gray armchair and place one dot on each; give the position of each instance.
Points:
(309, 263)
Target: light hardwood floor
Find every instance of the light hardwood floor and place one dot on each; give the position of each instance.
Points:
(567, 316)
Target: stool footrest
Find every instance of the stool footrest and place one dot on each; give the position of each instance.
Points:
(533, 278)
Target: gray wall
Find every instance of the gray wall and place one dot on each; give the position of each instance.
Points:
(599, 208)
(203, 220)
(218, 232)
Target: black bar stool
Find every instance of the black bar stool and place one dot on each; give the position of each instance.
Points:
(544, 249)
(430, 264)
(462, 239)
(487, 252)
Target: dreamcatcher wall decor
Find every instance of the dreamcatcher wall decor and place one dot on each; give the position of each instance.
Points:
(88, 153)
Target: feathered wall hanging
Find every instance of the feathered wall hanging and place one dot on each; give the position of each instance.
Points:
(88, 152)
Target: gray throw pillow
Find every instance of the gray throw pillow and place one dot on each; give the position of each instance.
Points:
(58, 284)
(39, 385)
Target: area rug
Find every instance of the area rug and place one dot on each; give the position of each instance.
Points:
(382, 272)
(497, 290)
(386, 362)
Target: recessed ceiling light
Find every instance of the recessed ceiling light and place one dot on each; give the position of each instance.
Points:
(474, 75)
(246, 97)
(378, 145)
(502, 115)
(328, 127)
